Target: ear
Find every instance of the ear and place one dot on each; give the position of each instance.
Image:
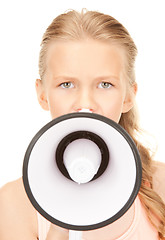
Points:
(41, 95)
(130, 98)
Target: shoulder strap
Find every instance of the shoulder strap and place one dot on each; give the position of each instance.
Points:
(43, 227)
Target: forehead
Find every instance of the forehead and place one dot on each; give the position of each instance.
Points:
(85, 57)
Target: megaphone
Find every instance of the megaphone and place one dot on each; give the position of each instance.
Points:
(82, 171)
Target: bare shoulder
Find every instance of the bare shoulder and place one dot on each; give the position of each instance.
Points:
(159, 178)
(18, 218)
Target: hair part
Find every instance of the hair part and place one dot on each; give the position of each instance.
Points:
(76, 26)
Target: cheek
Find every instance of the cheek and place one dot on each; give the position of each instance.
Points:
(113, 109)
(57, 105)
(54, 106)
(114, 114)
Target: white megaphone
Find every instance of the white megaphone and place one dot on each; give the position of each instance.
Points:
(76, 169)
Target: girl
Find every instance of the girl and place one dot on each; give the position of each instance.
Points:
(87, 61)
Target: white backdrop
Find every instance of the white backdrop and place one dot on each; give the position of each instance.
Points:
(22, 24)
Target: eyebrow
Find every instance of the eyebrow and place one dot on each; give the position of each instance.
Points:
(110, 77)
(106, 77)
(65, 78)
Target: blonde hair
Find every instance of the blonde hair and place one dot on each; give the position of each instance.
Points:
(73, 25)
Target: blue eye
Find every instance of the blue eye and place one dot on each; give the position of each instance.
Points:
(105, 85)
(67, 85)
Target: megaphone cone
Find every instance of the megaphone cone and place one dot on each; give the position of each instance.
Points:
(82, 171)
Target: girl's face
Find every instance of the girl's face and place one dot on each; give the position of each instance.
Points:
(85, 74)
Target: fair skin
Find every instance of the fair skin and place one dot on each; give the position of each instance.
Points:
(86, 74)
(83, 74)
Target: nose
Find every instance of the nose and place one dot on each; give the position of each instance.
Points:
(85, 100)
